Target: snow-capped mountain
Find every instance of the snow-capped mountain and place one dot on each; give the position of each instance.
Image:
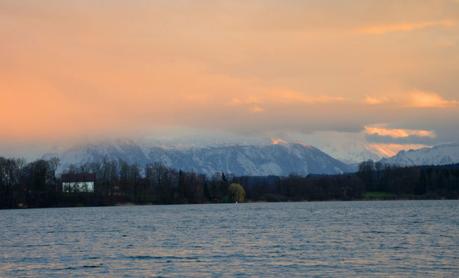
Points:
(351, 153)
(254, 160)
(437, 155)
(349, 147)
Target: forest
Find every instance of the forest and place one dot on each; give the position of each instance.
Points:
(36, 185)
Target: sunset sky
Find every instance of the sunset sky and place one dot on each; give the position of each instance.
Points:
(384, 71)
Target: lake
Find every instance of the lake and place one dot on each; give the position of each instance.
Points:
(398, 238)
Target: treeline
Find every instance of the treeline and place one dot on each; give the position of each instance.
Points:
(35, 184)
(372, 181)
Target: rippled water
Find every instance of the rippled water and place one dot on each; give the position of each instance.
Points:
(400, 238)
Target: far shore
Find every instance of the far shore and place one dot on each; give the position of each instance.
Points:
(129, 204)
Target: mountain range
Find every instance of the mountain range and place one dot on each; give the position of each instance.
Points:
(436, 155)
(254, 160)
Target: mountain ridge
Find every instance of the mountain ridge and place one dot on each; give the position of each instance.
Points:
(442, 154)
(253, 160)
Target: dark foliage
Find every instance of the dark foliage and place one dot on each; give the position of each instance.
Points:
(36, 185)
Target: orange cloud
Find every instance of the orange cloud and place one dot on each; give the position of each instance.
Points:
(278, 141)
(297, 97)
(398, 132)
(413, 99)
(130, 66)
(420, 99)
(388, 150)
(406, 27)
(375, 100)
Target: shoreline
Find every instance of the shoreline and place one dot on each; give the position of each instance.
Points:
(130, 204)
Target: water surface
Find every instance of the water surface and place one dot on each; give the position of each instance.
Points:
(398, 238)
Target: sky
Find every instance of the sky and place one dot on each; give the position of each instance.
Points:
(385, 72)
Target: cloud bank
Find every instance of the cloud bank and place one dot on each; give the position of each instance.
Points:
(89, 69)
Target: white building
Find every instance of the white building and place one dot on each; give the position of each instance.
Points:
(73, 183)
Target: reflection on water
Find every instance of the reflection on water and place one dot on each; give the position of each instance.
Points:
(400, 238)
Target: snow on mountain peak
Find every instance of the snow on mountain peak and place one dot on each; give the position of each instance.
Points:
(436, 155)
(257, 160)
